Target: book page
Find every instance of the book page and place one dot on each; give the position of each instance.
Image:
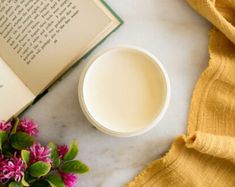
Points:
(14, 95)
(41, 38)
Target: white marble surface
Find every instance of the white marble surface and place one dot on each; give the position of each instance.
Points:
(178, 37)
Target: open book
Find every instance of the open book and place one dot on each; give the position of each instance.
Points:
(40, 40)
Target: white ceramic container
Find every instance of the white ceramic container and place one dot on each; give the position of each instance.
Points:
(124, 91)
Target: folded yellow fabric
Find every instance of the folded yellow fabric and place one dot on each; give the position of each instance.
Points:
(206, 156)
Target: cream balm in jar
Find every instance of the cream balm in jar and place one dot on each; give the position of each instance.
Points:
(124, 91)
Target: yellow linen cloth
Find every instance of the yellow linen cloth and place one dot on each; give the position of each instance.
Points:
(206, 156)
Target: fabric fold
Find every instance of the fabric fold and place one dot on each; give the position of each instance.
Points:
(213, 145)
(206, 156)
(211, 10)
(192, 161)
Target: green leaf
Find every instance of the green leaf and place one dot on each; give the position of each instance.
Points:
(15, 184)
(54, 154)
(39, 169)
(30, 179)
(74, 166)
(55, 181)
(3, 138)
(7, 150)
(15, 125)
(24, 182)
(72, 152)
(40, 183)
(5, 185)
(25, 155)
(21, 140)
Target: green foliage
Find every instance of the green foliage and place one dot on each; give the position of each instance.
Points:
(55, 181)
(7, 149)
(39, 169)
(15, 125)
(30, 179)
(21, 140)
(15, 184)
(72, 152)
(74, 166)
(40, 183)
(39, 174)
(25, 155)
(3, 138)
(24, 182)
(54, 154)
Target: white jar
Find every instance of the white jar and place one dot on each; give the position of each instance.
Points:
(124, 91)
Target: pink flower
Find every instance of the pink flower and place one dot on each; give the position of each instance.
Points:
(40, 153)
(5, 126)
(29, 127)
(12, 169)
(2, 163)
(62, 149)
(69, 179)
(1, 160)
